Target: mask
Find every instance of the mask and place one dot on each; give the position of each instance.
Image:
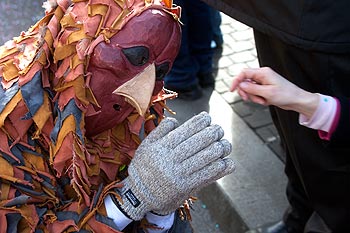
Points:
(129, 70)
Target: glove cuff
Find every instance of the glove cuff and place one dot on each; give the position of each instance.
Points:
(132, 203)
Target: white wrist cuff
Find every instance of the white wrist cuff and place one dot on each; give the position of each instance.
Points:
(164, 222)
(114, 213)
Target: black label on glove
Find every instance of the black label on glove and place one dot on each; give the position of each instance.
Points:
(132, 198)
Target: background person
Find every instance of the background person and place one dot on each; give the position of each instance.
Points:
(193, 67)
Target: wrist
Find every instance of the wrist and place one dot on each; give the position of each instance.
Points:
(306, 103)
(132, 203)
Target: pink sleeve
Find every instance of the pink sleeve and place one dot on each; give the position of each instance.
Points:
(335, 120)
(325, 118)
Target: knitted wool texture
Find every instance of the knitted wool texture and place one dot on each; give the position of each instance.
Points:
(173, 163)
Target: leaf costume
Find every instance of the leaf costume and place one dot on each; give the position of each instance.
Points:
(80, 90)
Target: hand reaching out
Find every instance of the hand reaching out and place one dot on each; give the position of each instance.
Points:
(172, 163)
(264, 86)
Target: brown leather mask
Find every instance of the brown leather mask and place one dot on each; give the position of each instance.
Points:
(129, 70)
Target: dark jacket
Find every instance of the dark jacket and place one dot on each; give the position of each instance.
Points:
(315, 25)
(309, 24)
(341, 135)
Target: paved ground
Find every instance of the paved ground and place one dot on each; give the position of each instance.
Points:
(254, 194)
(239, 52)
(17, 16)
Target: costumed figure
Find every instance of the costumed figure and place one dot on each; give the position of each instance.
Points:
(83, 140)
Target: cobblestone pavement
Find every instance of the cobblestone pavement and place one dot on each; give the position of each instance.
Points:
(17, 16)
(238, 53)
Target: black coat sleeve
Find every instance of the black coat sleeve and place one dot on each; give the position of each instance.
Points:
(309, 24)
(341, 134)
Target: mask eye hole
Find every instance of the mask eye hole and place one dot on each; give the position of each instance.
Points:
(138, 55)
(162, 70)
(117, 107)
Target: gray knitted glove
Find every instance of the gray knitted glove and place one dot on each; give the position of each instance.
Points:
(172, 163)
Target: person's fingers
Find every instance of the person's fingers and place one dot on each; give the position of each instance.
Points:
(249, 94)
(198, 142)
(187, 129)
(242, 94)
(243, 75)
(261, 76)
(254, 89)
(236, 81)
(258, 99)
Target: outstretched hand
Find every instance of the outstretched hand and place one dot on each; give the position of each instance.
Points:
(264, 86)
(172, 163)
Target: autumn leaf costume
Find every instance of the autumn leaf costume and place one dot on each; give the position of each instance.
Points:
(61, 150)
(83, 143)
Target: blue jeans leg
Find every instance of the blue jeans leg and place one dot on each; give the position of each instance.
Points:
(195, 54)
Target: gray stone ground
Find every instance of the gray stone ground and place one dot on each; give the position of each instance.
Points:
(17, 16)
(239, 52)
(254, 194)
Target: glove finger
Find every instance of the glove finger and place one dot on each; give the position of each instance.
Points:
(211, 173)
(198, 142)
(165, 126)
(213, 152)
(187, 129)
(230, 167)
(227, 147)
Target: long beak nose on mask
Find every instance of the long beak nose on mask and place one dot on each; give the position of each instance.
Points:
(138, 90)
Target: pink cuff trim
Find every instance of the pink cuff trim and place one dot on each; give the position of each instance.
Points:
(327, 135)
(324, 115)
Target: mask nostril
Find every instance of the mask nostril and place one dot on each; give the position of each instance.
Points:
(116, 107)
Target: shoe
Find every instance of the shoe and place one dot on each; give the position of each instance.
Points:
(206, 79)
(278, 227)
(190, 94)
